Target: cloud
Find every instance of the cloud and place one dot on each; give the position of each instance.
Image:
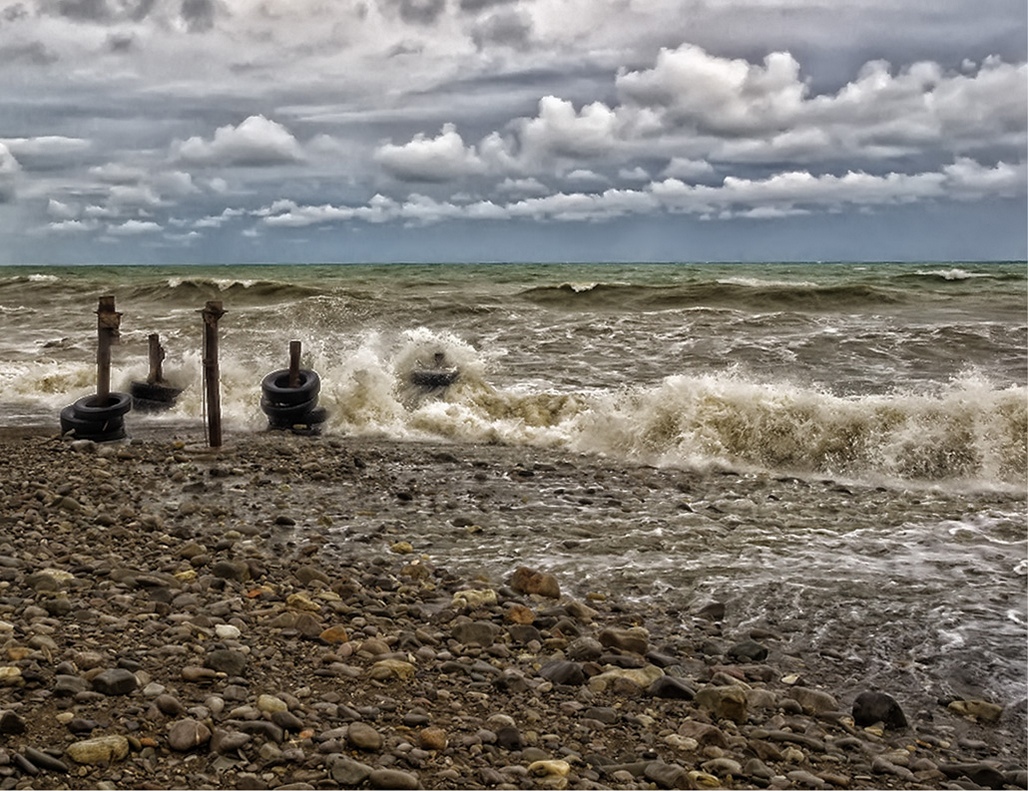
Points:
(780, 195)
(46, 151)
(72, 226)
(561, 131)
(688, 169)
(61, 211)
(256, 142)
(438, 159)
(9, 169)
(510, 28)
(198, 15)
(418, 12)
(33, 53)
(103, 11)
(529, 186)
(134, 228)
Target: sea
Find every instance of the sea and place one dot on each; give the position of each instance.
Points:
(905, 385)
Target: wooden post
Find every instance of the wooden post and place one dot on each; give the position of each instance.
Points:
(211, 313)
(108, 320)
(294, 363)
(156, 374)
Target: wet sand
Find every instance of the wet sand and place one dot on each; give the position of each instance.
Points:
(173, 617)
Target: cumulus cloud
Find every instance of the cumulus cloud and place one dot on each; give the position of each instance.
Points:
(529, 186)
(256, 142)
(60, 210)
(694, 109)
(134, 228)
(688, 169)
(437, 159)
(780, 195)
(72, 226)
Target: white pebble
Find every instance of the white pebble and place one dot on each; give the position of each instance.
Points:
(227, 631)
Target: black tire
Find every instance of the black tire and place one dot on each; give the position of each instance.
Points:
(288, 414)
(96, 430)
(145, 391)
(317, 415)
(309, 425)
(91, 407)
(146, 405)
(275, 387)
(431, 378)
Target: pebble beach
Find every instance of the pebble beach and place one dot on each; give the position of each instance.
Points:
(173, 616)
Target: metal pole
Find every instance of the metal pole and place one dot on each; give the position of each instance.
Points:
(156, 359)
(108, 321)
(294, 363)
(211, 313)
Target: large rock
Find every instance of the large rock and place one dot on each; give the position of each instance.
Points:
(116, 681)
(480, 632)
(362, 736)
(871, 707)
(670, 687)
(813, 701)
(635, 639)
(728, 703)
(224, 660)
(561, 671)
(394, 779)
(347, 772)
(188, 734)
(100, 751)
(525, 580)
(979, 709)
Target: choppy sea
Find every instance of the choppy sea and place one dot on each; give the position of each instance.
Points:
(910, 380)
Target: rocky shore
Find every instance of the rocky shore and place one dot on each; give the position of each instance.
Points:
(172, 617)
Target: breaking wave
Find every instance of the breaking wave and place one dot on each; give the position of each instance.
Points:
(732, 293)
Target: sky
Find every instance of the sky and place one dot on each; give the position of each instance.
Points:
(237, 131)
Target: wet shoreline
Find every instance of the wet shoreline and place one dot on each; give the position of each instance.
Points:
(305, 570)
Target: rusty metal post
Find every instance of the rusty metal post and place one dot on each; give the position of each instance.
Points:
(108, 320)
(156, 359)
(211, 314)
(294, 363)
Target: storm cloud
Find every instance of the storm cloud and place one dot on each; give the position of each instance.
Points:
(188, 125)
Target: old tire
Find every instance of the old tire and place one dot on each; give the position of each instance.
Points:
(103, 430)
(152, 396)
(99, 410)
(275, 387)
(288, 414)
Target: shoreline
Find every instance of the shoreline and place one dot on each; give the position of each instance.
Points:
(188, 618)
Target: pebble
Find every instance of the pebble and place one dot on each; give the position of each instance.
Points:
(188, 734)
(100, 751)
(393, 778)
(364, 737)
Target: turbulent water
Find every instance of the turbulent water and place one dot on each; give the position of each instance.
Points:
(907, 380)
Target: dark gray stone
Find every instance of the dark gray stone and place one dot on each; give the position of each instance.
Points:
(393, 778)
(223, 660)
(749, 650)
(480, 632)
(560, 671)
(115, 681)
(671, 687)
(872, 707)
(346, 771)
